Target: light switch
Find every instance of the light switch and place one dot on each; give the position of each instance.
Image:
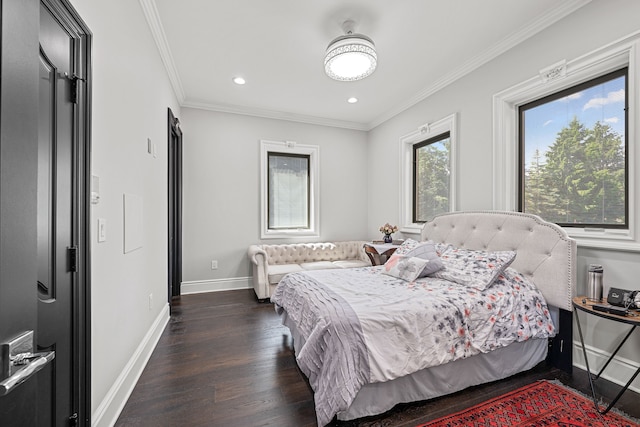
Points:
(95, 189)
(102, 229)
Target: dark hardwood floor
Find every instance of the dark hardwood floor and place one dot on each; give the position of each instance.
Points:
(225, 360)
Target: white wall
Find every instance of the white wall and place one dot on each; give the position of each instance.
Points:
(131, 94)
(592, 27)
(222, 190)
(359, 175)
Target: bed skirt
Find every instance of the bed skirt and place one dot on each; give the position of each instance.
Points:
(376, 398)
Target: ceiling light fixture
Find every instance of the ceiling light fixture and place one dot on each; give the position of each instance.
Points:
(239, 80)
(352, 100)
(350, 57)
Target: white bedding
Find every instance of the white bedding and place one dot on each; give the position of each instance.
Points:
(402, 326)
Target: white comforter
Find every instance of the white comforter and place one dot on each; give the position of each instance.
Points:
(362, 326)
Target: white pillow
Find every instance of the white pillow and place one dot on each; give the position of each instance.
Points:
(404, 267)
(427, 251)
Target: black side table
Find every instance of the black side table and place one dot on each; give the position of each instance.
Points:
(633, 319)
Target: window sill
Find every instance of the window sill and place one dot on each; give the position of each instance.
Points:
(604, 239)
(289, 234)
(412, 229)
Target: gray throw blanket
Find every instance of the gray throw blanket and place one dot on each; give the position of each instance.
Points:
(334, 355)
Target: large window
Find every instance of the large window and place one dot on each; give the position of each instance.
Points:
(573, 162)
(578, 160)
(428, 171)
(431, 177)
(289, 189)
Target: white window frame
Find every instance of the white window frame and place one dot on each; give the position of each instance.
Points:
(552, 79)
(289, 147)
(424, 132)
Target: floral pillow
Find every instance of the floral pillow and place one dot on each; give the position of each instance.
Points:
(406, 246)
(404, 267)
(474, 268)
(424, 250)
(442, 248)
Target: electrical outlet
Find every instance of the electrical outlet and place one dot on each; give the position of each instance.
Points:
(214, 264)
(150, 302)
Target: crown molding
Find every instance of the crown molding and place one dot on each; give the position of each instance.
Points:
(157, 31)
(277, 115)
(554, 15)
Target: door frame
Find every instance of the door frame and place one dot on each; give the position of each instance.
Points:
(81, 197)
(174, 164)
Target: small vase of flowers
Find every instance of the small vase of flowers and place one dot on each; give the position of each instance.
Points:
(388, 230)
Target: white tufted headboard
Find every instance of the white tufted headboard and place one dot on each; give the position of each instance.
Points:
(545, 253)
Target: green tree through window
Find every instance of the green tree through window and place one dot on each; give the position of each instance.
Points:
(577, 177)
(431, 176)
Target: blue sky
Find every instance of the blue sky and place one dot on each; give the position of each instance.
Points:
(604, 103)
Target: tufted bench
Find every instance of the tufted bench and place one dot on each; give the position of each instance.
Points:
(272, 262)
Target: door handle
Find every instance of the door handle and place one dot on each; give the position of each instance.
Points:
(26, 371)
(18, 363)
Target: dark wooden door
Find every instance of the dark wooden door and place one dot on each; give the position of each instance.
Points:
(175, 205)
(18, 172)
(45, 220)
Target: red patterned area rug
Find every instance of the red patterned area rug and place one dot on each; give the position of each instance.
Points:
(542, 403)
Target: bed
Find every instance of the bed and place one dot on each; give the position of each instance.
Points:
(370, 338)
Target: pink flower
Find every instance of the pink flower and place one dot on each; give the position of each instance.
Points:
(388, 228)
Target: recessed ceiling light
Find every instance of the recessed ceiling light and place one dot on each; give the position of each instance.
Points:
(239, 80)
(352, 100)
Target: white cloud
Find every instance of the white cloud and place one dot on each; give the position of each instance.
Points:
(571, 97)
(612, 97)
(612, 120)
(548, 122)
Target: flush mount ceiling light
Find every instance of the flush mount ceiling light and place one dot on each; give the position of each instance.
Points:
(350, 57)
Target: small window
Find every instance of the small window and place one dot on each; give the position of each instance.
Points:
(289, 192)
(289, 189)
(573, 154)
(431, 177)
(428, 171)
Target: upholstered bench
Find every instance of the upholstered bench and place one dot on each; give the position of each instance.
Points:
(272, 262)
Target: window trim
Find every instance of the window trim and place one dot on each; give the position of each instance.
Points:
(423, 133)
(552, 79)
(293, 148)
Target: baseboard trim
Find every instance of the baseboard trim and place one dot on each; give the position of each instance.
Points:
(619, 370)
(109, 409)
(216, 285)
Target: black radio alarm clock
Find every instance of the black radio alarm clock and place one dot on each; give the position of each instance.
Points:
(623, 298)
